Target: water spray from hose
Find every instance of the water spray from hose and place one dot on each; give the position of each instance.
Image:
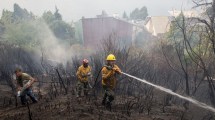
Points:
(197, 103)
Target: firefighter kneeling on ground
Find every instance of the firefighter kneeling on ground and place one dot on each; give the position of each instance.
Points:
(24, 86)
(83, 74)
(109, 73)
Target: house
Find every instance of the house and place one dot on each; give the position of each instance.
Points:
(95, 30)
(158, 24)
(186, 13)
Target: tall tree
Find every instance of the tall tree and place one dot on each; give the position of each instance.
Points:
(62, 30)
(57, 15)
(134, 13)
(7, 17)
(21, 14)
(125, 16)
(143, 13)
(48, 17)
(23, 34)
(139, 13)
(208, 21)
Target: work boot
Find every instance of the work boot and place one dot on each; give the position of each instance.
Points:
(108, 106)
(36, 101)
(33, 99)
(103, 102)
(86, 93)
(24, 104)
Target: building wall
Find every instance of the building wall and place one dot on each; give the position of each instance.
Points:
(149, 26)
(158, 24)
(97, 29)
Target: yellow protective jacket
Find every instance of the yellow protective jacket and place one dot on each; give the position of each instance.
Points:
(82, 73)
(109, 77)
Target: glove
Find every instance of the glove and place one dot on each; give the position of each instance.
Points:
(89, 74)
(83, 75)
(19, 88)
(19, 93)
(28, 84)
(116, 70)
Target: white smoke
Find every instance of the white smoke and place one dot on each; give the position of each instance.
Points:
(50, 47)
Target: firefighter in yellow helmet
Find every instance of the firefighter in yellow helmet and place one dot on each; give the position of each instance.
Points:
(109, 73)
(83, 74)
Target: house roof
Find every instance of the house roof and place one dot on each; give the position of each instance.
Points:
(160, 23)
(187, 13)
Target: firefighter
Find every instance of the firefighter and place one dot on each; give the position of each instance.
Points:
(109, 73)
(83, 75)
(24, 86)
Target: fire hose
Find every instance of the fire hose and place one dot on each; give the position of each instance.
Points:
(195, 102)
(169, 91)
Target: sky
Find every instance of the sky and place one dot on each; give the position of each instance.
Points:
(73, 10)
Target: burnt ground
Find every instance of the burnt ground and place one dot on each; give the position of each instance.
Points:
(66, 107)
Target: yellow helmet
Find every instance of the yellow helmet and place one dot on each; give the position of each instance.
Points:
(111, 57)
